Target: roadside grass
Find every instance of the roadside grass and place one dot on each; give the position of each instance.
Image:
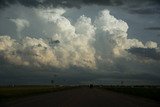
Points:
(11, 93)
(151, 92)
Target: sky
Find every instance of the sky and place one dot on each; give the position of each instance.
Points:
(80, 42)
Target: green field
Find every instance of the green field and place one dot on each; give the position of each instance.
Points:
(11, 93)
(151, 92)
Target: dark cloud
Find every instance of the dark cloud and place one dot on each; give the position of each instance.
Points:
(150, 53)
(65, 3)
(133, 6)
(152, 28)
(104, 2)
(72, 3)
(5, 3)
(143, 7)
(153, 10)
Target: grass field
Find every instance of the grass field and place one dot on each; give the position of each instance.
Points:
(151, 92)
(11, 93)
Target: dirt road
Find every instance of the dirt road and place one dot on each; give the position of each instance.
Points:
(83, 97)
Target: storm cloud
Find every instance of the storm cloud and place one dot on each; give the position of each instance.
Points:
(70, 45)
(47, 36)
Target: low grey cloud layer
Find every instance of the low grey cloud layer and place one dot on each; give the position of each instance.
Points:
(150, 53)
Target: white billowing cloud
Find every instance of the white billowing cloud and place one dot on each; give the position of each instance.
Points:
(109, 23)
(151, 44)
(8, 48)
(20, 24)
(84, 26)
(6, 43)
(114, 34)
(38, 52)
(74, 48)
(133, 43)
(80, 44)
(50, 15)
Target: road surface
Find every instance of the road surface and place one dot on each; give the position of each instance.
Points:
(83, 97)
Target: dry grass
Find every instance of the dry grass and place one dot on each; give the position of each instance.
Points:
(10, 93)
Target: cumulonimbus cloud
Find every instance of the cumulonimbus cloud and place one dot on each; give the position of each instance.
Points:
(80, 44)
